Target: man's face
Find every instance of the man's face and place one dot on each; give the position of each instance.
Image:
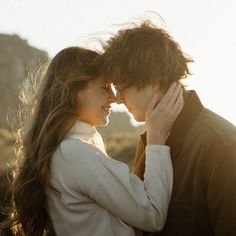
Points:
(136, 99)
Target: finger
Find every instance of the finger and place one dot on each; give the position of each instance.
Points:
(164, 103)
(152, 104)
(175, 95)
(179, 102)
(168, 94)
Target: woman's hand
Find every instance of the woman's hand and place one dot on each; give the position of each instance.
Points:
(160, 117)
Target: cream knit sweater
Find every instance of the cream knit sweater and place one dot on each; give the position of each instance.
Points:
(99, 196)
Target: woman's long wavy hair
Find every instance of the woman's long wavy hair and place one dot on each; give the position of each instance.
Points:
(55, 110)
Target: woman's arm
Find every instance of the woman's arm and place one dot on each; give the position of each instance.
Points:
(109, 182)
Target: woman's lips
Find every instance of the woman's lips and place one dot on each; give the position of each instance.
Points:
(106, 108)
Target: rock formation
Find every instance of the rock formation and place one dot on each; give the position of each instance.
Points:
(17, 60)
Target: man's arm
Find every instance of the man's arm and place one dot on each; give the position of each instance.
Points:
(221, 191)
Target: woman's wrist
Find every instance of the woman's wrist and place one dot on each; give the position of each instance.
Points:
(156, 139)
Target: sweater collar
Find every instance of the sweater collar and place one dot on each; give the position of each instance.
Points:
(183, 123)
(81, 128)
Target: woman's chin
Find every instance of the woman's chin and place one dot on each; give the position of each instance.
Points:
(103, 122)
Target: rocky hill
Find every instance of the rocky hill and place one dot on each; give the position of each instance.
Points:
(121, 137)
(119, 123)
(17, 60)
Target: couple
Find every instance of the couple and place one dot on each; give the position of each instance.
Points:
(185, 162)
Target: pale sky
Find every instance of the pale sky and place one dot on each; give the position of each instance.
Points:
(205, 29)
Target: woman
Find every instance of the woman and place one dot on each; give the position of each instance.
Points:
(66, 176)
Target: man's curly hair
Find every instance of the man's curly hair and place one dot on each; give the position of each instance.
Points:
(144, 55)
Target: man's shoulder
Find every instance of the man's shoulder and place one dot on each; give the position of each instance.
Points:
(216, 127)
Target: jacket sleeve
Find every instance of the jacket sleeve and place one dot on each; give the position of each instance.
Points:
(221, 191)
(141, 204)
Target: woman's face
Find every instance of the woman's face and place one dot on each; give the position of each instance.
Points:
(95, 102)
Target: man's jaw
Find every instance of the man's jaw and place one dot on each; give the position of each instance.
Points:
(138, 118)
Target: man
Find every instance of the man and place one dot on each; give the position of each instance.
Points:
(143, 60)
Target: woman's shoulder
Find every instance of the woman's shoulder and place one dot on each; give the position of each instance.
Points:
(73, 149)
(72, 143)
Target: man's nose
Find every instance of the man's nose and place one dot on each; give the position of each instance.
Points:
(119, 98)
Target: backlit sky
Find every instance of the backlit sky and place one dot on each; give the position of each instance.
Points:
(205, 29)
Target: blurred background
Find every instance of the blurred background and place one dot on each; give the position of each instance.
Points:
(32, 32)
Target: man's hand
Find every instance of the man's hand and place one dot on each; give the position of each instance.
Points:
(160, 117)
